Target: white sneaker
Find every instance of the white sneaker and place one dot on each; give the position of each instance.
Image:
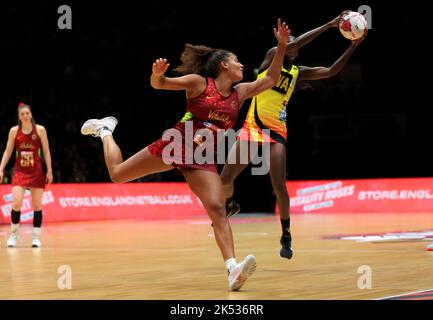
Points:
(241, 272)
(12, 241)
(36, 243)
(94, 126)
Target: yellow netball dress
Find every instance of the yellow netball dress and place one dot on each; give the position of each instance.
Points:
(268, 110)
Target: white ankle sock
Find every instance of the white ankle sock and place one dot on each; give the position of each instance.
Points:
(230, 263)
(104, 133)
(36, 232)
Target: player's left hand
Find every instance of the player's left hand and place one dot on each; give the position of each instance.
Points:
(49, 177)
(282, 33)
(336, 22)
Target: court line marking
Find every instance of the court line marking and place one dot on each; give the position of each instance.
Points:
(120, 250)
(211, 235)
(404, 294)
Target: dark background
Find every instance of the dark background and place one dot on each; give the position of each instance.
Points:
(370, 121)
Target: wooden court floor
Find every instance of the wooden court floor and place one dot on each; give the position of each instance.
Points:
(179, 259)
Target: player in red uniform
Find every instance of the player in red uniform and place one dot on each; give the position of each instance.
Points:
(28, 138)
(213, 102)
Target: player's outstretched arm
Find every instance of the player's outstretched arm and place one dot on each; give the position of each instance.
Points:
(309, 36)
(302, 40)
(316, 73)
(159, 81)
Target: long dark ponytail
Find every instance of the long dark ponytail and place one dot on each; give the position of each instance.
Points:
(201, 60)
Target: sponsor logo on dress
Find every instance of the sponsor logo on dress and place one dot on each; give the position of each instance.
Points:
(26, 145)
(216, 115)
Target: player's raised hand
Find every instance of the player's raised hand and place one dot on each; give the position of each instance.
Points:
(282, 34)
(358, 41)
(336, 21)
(160, 66)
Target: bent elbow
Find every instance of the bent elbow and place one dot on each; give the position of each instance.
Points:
(116, 177)
(156, 82)
(331, 72)
(154, 85)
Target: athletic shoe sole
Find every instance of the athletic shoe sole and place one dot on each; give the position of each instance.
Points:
(249, 266)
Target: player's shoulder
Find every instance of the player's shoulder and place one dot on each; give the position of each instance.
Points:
(40, 128)
(196, 78)
(13, 130)
(271, 52)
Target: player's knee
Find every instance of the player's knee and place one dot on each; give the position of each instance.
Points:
(16, 206)
(225, 179)
(217, 209)
(280, 188)
(219, 220)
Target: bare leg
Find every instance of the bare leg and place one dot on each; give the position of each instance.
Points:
(37, 195)
(231, 170)
(17, 197)
(207, 186)
(17, 202)
(139, 165)
(278, 178)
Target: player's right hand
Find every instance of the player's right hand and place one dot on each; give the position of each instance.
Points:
(358, 41)
(160, 66)
(282, 34)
